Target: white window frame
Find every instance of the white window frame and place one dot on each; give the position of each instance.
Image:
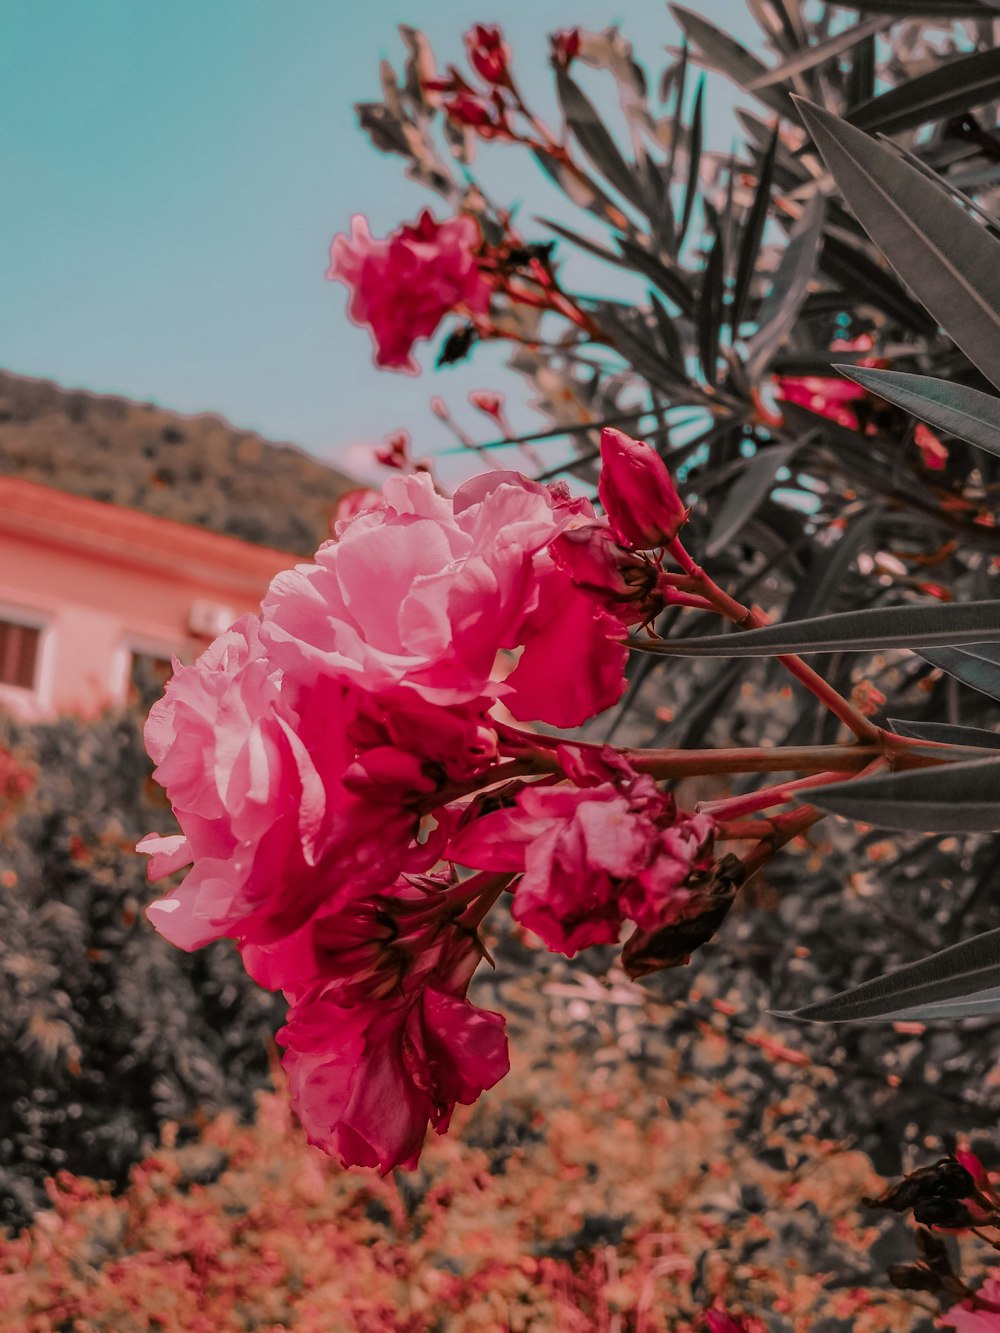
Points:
(38, 695)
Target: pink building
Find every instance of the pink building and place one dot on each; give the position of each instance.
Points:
(92, 595)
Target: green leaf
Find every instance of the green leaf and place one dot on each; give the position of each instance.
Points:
(929, 9)
(781, 307)
(720, 52)
(863, 280)
(694, 158)
(752, 233)
(954, 983)
(709, 314)
(583, 119)
(949, 261)
(951, 87)
(584, 242)
(965, 413)
(948, 798)
(668, 278)
(913, 627)
(820, 52)
(945, 733)
(971, 669)
(748, 494)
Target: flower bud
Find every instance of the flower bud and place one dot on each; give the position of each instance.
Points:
(489, 54)
(638, 493)
(565, 47)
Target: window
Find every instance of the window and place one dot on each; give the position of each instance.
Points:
(19, 654)
(148, 674)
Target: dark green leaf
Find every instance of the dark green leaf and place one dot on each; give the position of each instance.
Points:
(666, 276)
(584, 242)
(863, 280)
(905, 9)
(780, 308)
(709, 313)
(694, 158)
(855, 631)
(829, 566)
(721, 52)
(951, 87)
(820, 52)
(752, 233)
(971, 669)
(861, 81)
(948, 798)
(583, 119)
(949, 261)
(947, 734)
(669, 337)
(965, 413)
(748, 494)
(949, 979)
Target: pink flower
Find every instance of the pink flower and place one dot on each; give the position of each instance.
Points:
(423, 594)
(380, 1052)
(822, 394)
(290, 797)
(965, 1319)
(590, 855)
(933, 450)
(638, 493)
(624, 582)
(488, 53)
(826, 395)
(402, 287)
(352, 503)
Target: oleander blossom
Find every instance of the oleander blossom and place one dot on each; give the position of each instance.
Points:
(966, 1319)
(607, 847)
(292, 796)
(402, 287)
(422, 594)
(638, 493)
(388, 1044)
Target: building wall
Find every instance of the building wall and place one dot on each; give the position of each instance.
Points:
(103, 583)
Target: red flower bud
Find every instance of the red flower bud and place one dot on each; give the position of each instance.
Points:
(489, 54)
(565, 47)
(638, 493)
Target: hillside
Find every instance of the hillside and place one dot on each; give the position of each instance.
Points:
(194, 469)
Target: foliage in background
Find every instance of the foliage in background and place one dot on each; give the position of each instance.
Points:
(105, 1031)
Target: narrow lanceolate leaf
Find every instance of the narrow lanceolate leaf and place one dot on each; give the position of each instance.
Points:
(948, 798)
(924, 9)
(949, 261)
(709, 313)
(748, 494)
(791, 285)
(952, 977)
(970, 668)
(752, 233)
(965, 413)
(694, 158)
(720, 52)
(584, 242)
(597, 143)
(954, 86)
(820, 52)
(914, 627)
(944, 733)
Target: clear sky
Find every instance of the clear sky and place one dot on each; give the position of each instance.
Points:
(173, 174)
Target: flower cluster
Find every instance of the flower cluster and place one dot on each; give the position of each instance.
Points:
(334, 761)
(402, 287)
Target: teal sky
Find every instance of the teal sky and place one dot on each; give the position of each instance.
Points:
(173, 174)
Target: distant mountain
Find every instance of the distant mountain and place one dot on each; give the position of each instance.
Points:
(194, 469)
